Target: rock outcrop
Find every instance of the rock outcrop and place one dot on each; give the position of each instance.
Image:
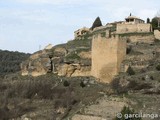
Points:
(38, 64)
(58, 60)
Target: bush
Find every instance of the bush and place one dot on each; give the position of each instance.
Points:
(151, 77)
(132, 85)
(130, 71)
(141, 86)
(143, 78)
(82, 84)
(129, 49)
(158, 67)
(115, 85)
(66, 83)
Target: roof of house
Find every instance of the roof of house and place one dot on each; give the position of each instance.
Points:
(133, 17)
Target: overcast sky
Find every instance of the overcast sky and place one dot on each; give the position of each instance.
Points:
(27, 24)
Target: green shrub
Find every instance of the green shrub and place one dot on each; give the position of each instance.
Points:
(130, 71)
(66, 83)
(151, 77)
(82, 84)
(129, 49)
(158, 67)
(143, 78)
(119, 89)
(72, 56)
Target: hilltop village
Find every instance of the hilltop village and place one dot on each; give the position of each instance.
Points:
(103, 56)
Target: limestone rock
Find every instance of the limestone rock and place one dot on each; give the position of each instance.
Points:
(66, 70)
(38, 64)
(48, 47)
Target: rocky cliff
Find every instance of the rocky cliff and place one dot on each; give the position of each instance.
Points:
(70, 59)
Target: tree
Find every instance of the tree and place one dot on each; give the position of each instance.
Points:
(96, 23)
(148, 20)
(155, 22)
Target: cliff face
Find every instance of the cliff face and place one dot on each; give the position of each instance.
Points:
(38, 64)
(70, 59)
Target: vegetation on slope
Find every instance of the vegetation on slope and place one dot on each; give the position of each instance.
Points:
(10, 61)
(46, 97)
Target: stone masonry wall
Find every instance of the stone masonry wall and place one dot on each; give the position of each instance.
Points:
(126, 28)
(141, 38)
(107, 55)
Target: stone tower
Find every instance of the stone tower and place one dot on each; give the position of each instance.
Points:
(107, 55)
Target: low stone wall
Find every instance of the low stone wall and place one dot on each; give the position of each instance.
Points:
(157, 34)
(141, 38)
(127, 28)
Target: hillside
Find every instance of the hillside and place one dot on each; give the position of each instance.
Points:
(83, 97)
(10, 61)
(57, 84)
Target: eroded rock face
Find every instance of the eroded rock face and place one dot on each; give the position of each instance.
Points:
(54, 61)
(38, 64)
(66, 70)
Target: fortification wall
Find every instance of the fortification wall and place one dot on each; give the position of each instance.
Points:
(107, 55)
(141, 38)
(126, 28)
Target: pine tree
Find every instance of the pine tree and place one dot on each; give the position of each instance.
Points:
(97, 23)
(148, 20)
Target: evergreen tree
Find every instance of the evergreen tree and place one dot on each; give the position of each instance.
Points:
(148, 20)
(97, 23)
(155, 22)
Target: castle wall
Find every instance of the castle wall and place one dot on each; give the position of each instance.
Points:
(126, 28)
(107, 55)
(141, 38)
